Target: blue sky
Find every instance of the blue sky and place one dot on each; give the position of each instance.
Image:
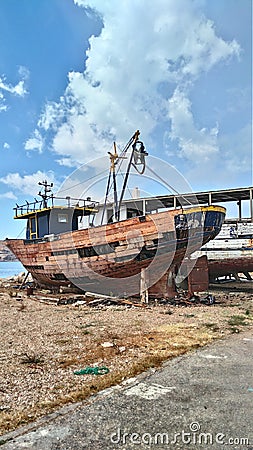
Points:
(77, 74)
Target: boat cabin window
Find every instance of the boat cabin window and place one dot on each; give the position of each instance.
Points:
(133, 212)
(62, 218)
(51, 222)
(37, 226)
(33, 225)
(32, 229)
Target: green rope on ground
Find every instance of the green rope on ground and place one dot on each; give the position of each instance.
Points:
(92, 371)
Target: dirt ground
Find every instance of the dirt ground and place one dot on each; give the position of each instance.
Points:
(43, 344)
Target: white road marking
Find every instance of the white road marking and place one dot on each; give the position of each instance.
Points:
(213, 357)
(148, 391)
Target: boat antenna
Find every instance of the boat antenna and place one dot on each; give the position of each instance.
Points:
(47, 190)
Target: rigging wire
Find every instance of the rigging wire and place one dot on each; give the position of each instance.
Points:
(21, 232)
(119, 162)
(88, 179)
(103, 171)
(168, 185)
(131, 195)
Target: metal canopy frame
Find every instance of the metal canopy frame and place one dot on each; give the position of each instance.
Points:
(148, 204)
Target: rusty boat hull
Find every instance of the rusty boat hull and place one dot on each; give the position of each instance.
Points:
(224, 261)
(230, 266)
(231, 252)
(109, 258)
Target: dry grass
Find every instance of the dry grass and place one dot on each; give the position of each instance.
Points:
(42, 345)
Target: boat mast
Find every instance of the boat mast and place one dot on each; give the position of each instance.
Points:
(114, 157)
(132, 141)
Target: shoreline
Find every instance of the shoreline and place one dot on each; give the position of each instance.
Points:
(11, 271)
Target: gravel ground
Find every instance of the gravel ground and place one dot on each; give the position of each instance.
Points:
(43, 344)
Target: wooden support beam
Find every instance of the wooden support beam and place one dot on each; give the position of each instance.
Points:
(24, 281)
(144, 286)
(165, 287)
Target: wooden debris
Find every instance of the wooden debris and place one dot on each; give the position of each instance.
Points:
(87, 299)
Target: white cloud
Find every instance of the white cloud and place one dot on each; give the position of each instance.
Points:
(76, 138)
(8, 195)
(6, 146)
(27, 184)
(19, 89)
(35, 142)
(24, 72)
(3, 106)
(194, 143)
(203, 48)
(67, 162)
(233, 166)
(145, 51)
(54, 113)
(238, 151)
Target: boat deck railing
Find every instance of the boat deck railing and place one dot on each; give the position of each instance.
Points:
(53, 202)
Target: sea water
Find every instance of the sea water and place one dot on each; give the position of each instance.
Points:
(10, 268)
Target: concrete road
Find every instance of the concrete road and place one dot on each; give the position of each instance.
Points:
(200, 400)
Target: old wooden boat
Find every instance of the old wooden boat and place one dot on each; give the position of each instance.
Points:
(231, 252)
(111, 256)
